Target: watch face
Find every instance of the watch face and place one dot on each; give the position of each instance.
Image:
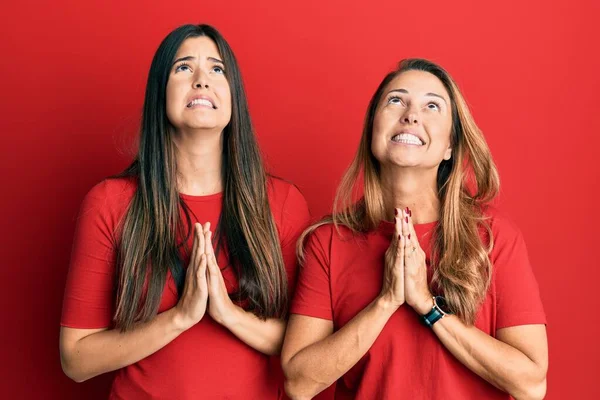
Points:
(441, 303)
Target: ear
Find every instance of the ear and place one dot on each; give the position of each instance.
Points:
(448, 153)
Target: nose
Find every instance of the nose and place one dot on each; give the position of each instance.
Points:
(200, 80)
(410, 117)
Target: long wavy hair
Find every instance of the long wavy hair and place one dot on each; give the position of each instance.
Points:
(465, 184)
(158, 222)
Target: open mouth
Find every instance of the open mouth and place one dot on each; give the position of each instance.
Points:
(201, 102)
(407, 138)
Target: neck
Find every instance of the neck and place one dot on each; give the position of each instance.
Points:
(412, 188)
(198, 158)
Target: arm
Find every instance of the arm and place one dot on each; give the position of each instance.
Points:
(313, 358)
(86, 353)
(516, 361)
(267, 335)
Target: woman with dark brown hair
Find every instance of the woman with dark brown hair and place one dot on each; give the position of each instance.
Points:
(442, 302)
(196, 195)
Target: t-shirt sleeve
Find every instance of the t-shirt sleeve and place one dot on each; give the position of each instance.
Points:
(89, 292)
(518, 300)
(313, 291)
(295, 218)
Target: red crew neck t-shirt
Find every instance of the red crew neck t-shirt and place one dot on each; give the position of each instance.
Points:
(204, 362)
(343, 274)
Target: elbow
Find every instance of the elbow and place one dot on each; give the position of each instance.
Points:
(274, 349)
(532, 390)
(535, 391)
(299, 387)
(72, 374)
(295, 391)
(71, 371)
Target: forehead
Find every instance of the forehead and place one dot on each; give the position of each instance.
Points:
(418, 83)
(201, 46)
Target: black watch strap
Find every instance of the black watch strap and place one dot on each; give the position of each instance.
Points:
(436, 312)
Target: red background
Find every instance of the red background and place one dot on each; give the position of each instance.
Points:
(73, 78)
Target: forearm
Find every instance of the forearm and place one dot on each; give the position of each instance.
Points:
(265, 336)
(317, 366)
(110, 350)
(500, 364)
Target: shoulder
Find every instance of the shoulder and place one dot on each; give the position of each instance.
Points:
(325, 234)
(502, 226)
(282, 192)
(110, 194)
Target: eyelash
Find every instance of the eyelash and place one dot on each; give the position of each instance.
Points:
(178, 68)
(393, 98)
(435, 104)
(182, 65)
(398, 98)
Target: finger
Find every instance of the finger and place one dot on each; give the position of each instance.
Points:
(208, 247)
(213, 267)
(405, 229)
(401, 251)
(411, 231)
(200, 239)
(201, 272)
(192, 266)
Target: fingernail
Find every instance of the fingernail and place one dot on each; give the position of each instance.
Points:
(410, 212)
(406, 210)
(407, 220)
(409, 236)
(399, 239)
(395, 211)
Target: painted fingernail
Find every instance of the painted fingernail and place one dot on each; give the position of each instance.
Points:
(410, 212)
(399, 239)
(407, 220)
(395, 211)
(406, 210)
(409, 236)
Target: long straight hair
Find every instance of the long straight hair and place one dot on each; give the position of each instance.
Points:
(158, 222)
(465, 183)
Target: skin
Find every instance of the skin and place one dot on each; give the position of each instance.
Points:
(197, 132)
(314, 357)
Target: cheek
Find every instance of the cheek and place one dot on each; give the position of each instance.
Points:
(174, 99)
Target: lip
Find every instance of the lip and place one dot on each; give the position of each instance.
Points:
(202, 97)
(409, 133)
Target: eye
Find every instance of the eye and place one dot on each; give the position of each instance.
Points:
(394, 100)
(433, 106)
(182, 67)
(218, 69)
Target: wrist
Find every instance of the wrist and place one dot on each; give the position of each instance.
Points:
(232, 317)
(386, 304)
(424, 306)
(177, 322)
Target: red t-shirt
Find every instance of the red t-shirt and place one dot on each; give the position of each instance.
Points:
(343, 274)
(206, 361)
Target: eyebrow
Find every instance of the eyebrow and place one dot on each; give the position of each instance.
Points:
(427, 94)
(187, 58)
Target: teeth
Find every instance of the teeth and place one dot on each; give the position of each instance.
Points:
(203, 102)
(407, 138)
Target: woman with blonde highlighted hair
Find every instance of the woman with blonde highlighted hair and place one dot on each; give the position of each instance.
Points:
(441, 303)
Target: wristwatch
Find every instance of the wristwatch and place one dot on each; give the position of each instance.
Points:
(438, 311)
